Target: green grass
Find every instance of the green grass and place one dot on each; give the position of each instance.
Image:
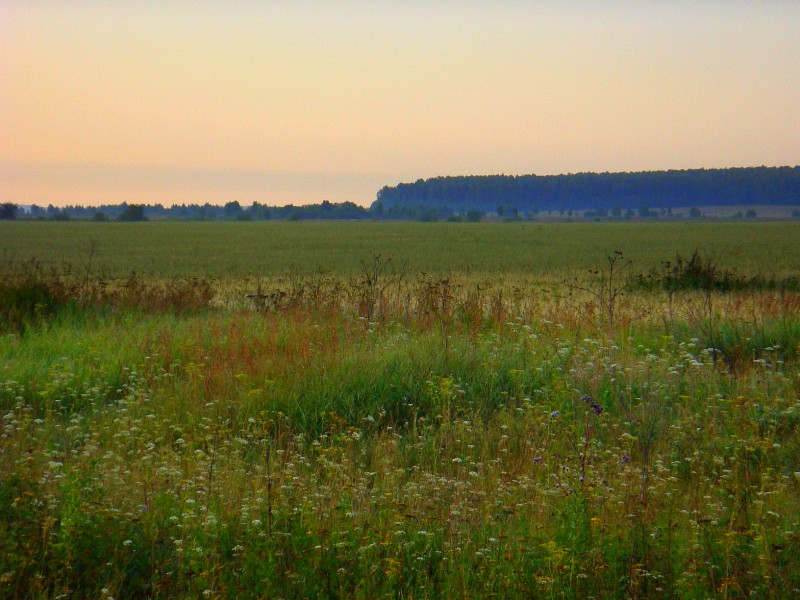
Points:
(270, 249)
(423, 437)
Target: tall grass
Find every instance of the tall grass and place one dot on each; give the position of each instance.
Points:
(431, 437)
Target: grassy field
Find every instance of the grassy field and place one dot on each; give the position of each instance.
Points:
(475, 424)
(233, 250)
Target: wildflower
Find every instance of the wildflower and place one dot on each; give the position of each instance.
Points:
(554, 414)
(596, 408)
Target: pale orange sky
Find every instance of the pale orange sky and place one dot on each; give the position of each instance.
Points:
(302, 101)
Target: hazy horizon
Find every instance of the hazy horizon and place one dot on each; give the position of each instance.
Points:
(300, 102)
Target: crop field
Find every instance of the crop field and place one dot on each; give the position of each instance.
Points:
(400, 410)
(233, 250)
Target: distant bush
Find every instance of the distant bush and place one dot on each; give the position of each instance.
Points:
(27, 293)
(698, 273)
(31, 294)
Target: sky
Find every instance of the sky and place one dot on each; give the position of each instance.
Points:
(301, 101)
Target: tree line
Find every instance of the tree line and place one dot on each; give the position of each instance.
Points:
(596, 192)
(647, 194)
(232, 211)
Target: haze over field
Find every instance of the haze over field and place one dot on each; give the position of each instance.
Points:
(304, 101)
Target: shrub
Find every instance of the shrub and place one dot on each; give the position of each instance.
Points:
(28, 293)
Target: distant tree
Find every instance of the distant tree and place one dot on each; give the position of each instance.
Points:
(750, 214)
(100, 216)
(232, 210)
(376, 210)
(61, 215)
(695, 212)
(738, 215)
(259, 212)
(473, 216)
(133, 212)
(796, 214)
(8, 211)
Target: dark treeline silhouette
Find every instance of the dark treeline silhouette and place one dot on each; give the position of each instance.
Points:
(196, 212)
(648, 194)
(601, 192)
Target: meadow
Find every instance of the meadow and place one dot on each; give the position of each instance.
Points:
(363, 410)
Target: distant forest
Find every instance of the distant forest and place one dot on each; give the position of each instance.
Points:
(649, 194)
(600, 193)
(232, 211)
